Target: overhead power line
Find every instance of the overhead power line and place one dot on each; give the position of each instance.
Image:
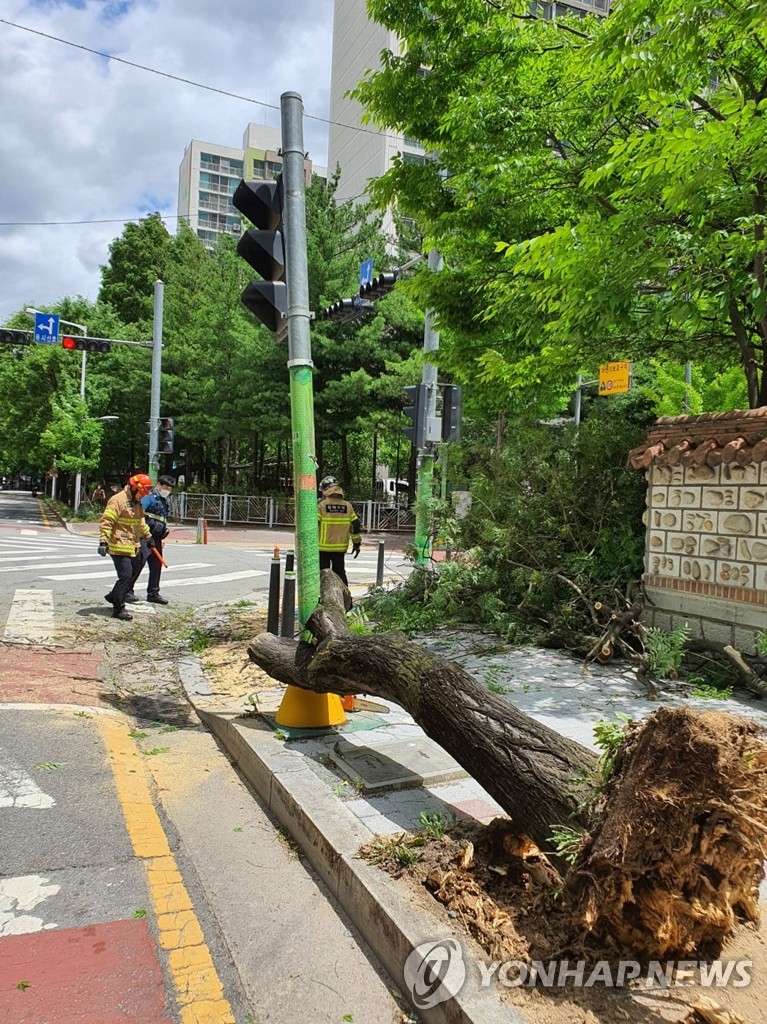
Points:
(179, 78)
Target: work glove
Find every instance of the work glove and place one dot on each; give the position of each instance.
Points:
(103, 548)
(356, 550)
(151, 542)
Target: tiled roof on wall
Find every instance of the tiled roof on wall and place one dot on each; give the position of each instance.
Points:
(710, 439)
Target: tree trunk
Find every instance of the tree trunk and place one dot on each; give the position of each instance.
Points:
(672, 851)
(497, 744)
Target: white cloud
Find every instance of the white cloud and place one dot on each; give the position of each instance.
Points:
(88, 139)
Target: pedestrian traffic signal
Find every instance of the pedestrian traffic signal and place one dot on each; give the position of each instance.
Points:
(379, 286)
(165, 440)
(451, 412)
(264, 249)
(86, 344)
(416, 413)
(8, 336)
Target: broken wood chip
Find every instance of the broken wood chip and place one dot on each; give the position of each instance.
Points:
(706, 1011)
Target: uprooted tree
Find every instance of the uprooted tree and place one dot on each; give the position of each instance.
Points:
(672, 851)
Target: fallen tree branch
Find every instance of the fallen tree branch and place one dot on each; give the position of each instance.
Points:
(750, 679)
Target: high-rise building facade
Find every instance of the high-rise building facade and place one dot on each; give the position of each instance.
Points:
(360, 150)
(209, 174)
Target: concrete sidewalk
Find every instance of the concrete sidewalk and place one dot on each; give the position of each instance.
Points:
(334, 790)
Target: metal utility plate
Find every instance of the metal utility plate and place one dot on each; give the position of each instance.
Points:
(399, 765)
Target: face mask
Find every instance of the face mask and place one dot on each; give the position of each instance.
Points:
(164, 492)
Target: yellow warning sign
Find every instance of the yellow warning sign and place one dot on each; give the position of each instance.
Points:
(614, 378)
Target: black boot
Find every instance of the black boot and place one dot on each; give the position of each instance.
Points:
(122, 615)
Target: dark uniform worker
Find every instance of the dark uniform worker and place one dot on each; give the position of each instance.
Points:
(121, 530)
(338, 522)
(156, 512)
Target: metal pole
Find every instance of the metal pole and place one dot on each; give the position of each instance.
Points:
(375, 465)
(273, 609)
(154, 399)
(688, 385)
(288, 624)
(578, 391)
(425, 458)
(300, 708)
(79, 476)
(380, 566)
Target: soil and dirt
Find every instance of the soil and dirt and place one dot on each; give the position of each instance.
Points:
(498, 893)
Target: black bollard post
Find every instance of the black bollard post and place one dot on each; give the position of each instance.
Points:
(380, 568)
(273, 610)
(290, 559)
(289, 605)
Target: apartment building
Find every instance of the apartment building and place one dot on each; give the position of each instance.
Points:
(209, 173)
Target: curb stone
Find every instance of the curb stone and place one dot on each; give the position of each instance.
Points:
(330, 836)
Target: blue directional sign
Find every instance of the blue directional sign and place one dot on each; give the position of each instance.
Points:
(366, 272)
(47, 328)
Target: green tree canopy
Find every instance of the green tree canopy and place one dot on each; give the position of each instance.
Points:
(597, 187)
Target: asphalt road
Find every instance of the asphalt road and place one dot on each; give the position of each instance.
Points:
(47, 572)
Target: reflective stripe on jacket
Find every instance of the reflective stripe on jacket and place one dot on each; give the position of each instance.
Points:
(122, 523)
(337, 521)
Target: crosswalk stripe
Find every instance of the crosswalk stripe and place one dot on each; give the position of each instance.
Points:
(30, 619)
(202, 580)
(40, 554)
(15, 554)
(17, 789)
(50, 565)
(111, 572)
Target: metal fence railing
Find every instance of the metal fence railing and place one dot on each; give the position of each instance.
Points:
(233, 509)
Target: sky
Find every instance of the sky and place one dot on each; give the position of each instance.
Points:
(84, 138)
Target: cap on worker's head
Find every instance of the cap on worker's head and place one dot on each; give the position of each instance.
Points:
(327, 481)
(166, 481)
(140, 482)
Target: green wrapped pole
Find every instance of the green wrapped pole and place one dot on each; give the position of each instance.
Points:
(423, 509)
(305, 491)
(299, 708)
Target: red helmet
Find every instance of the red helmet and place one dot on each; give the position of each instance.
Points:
(140, 482)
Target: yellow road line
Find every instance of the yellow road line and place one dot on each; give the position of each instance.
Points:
(199, 991)
(46, 521)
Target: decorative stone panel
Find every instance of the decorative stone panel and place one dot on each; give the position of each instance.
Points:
(707, 521)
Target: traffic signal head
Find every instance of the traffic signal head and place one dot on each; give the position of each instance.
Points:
(165, 438)
(86, 344)
(8, 336)
(379, 286)
(451, 412)
(263, 247)
(416, 413)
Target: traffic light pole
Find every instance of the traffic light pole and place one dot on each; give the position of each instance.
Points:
(425, 457)
(79, 476)
(154, 397)
(299, 708)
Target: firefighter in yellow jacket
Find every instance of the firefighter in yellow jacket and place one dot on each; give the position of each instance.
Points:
(121, 529)
(338, 522)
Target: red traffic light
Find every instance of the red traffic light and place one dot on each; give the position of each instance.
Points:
(86, 344)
